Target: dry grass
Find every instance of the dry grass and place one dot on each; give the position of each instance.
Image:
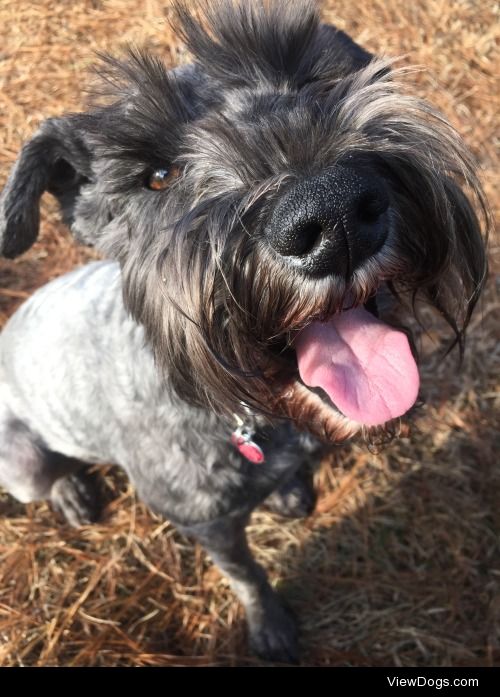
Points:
(400, 565)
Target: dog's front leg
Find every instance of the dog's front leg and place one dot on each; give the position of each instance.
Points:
(272, 629)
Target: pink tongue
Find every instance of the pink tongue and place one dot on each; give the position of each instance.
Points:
(365, 367)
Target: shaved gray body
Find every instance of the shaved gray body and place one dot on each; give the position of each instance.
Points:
(105, 403)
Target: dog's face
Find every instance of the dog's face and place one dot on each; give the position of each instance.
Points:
(257, 200)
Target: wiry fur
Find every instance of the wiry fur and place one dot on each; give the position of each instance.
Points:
(272, 97)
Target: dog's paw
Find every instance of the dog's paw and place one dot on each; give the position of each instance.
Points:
(295, 499)
(275, 638)
(77, 497)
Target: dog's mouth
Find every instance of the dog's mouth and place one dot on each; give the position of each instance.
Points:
(358, 366)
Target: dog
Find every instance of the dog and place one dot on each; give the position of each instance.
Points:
(256, 208)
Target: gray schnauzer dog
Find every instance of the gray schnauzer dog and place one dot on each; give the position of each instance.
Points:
(255, 206)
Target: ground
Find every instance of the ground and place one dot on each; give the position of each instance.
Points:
(400, 563)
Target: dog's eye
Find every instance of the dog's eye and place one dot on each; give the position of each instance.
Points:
(161, 178)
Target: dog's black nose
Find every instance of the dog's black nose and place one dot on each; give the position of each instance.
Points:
(330, 223)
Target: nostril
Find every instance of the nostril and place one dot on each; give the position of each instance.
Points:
(310, 235)
(298, 240)
(370, 207)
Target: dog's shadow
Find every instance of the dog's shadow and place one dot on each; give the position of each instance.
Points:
(401, 568)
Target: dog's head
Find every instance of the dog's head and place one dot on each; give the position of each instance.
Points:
(257, 200)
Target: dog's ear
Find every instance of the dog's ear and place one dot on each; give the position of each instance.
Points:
(57, 160)
(339, 47)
